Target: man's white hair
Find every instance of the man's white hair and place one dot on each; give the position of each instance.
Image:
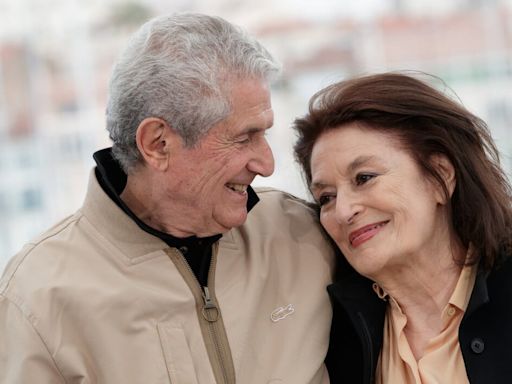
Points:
(180, 68)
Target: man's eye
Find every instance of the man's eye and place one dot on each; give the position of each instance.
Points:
(244, 140)
(362, 178)
(324, 199)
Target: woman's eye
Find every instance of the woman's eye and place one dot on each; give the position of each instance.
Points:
(324, 199)
(362, 178)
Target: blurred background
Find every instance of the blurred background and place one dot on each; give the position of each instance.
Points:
(56, 57)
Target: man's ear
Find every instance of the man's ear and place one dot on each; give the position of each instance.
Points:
(447, 172)
(155, 139)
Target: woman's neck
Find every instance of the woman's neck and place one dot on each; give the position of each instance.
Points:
(422, 290)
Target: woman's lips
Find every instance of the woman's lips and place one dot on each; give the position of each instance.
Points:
(359, 236)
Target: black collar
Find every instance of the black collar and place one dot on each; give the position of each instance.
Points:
(112, 179)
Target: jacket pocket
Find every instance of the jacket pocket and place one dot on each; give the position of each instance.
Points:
(177, 354)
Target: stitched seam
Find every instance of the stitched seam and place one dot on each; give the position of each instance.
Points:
(54, 231)
(37, 333)
(127, 261)
(29, 251)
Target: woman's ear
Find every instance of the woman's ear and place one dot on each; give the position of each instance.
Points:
(154, 140)
(445, 169)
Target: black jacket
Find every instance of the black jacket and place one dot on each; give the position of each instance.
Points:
(485, 333)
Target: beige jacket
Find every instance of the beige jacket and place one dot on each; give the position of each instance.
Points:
(98, 300)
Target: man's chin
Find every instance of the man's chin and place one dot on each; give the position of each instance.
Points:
(233, 220)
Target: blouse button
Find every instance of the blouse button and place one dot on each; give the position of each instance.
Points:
(183, 250)
(477, 345)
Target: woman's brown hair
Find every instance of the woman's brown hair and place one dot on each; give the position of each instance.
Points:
(427, 123)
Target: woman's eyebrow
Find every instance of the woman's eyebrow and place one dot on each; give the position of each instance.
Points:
(354, 164)
(360, 161)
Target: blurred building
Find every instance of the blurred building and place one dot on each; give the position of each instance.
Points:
(469, 47)
(56, 56)
(53, 85)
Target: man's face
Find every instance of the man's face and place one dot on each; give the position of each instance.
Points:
(209, 181)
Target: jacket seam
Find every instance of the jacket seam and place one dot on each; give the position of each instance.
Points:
(14, 304)
(127, 261)
(5, 286)
(72, 220)
(7, 283)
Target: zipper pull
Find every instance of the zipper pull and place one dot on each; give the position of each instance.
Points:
(210, 311)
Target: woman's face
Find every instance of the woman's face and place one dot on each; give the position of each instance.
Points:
(376, 204)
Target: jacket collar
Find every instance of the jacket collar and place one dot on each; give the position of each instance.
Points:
(355, 293)
(480, 294)
(113, 180)
(484, 281)
(117, 227)
(106, 212)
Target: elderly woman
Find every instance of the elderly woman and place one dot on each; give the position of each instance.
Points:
(409, 187)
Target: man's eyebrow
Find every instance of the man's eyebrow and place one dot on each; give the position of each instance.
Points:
(252, 130)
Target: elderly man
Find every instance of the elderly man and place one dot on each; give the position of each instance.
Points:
(163, 276)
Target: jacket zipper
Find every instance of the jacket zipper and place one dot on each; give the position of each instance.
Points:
(210, 318)
(369, 349)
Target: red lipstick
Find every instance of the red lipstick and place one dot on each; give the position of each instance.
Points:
(359, 236)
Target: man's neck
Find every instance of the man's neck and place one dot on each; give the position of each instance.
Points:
(151, 206)
(139, 196)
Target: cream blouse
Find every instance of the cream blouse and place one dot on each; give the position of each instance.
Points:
(442, 361)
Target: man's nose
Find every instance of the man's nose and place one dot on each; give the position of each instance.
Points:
(262, 162)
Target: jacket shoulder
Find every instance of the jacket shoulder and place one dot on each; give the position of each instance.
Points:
(281, 215)
(271, 198)
(29, 262)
